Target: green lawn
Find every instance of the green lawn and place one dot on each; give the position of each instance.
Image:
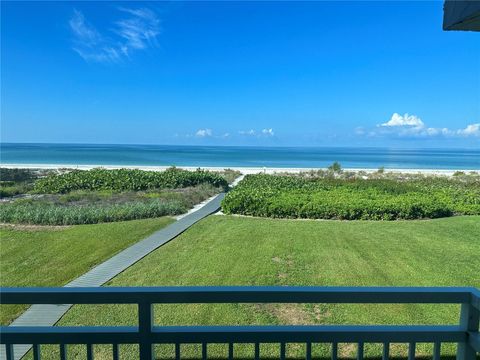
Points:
(226, 250)
(53, 256)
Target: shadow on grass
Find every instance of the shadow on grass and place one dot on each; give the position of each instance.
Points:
(447, 357)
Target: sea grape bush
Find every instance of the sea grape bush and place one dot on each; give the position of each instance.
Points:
(292, 196)
(126, 180)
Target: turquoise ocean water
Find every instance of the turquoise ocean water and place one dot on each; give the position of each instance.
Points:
(295, 157)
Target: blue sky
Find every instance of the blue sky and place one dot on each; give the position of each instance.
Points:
(228, 73)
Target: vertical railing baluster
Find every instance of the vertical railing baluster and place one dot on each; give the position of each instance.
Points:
(469, 319)
(230, 351)
(360, 350)
(63, 351)
(257, 351)
(411, 351)
(334, 351)
(204, 351)
(89, 352)
(115, 351)
(308, 351)
(177, 351)
(436, 350)
(386, 351)
(36, 352)
(9, 351)
(282, 351)
(145, 323)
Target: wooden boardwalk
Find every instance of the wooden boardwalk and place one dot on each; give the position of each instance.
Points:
(48, 315)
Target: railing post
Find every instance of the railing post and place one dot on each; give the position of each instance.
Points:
(145, 323)
(469, 322)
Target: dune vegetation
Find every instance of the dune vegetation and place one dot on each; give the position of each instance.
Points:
(353, 196)
(88, 197)
(126, 180)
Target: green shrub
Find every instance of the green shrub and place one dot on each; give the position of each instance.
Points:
(335, 167)
(6, 183)
(15, 181)
(8, 191)
(15, 189)
(17, 175)
(351, 199)
(126, 180)
(230, 175)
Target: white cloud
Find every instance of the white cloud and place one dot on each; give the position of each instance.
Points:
(405, 120)
(412, 126)
(141, 13)
(268, 132)
(470, 130)
(204, 133)
(138, 31)
(436, 132)
(425, 132)
(83, 30)
(360, 130)
(250, 132)
(89, 43)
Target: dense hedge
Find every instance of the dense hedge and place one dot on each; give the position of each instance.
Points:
(370, 199)
(126, 180)
(49, 214)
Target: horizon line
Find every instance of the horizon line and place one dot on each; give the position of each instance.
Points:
(244, 146)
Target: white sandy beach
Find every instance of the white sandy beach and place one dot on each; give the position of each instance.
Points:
(243, 170)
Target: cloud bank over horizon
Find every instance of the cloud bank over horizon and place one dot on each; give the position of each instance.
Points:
(207, 134)
(405, 126)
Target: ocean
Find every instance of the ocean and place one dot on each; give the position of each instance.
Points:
(237, 156)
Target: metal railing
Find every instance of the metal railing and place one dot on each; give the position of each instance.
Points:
(146, 334)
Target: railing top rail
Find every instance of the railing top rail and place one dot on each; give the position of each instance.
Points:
(223, 334)
(238, 294)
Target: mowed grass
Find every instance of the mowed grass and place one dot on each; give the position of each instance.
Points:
(53, 256)
(226, 250)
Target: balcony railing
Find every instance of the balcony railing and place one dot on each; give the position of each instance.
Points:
(146, 334)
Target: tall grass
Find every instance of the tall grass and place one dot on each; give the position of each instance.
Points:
(50, 214)
(91, 207)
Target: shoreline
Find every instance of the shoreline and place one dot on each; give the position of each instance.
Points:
(242, 169)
